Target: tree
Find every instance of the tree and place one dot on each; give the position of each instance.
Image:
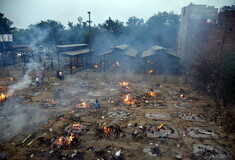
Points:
(45, 32)
(135, 30)
(214, 74)
(162, 29)
(115, 27)
(5, 25)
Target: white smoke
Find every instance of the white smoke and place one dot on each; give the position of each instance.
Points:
(26, 80)
(23, 83)
(16, 118)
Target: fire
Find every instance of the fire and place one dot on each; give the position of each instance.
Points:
(159, 127)
(128, 100)
(117, 64)
(59, 141)
(64, 141)
(77, 126)
(73, 67)
(150, 71)
(96, 66)
(70, 139)
(82, 105)
(2, 97)
(11, 79)
(183, 96)
(125, 84)
(106, 129)
(151, 93)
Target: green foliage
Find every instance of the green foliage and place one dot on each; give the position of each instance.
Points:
(116, 27)
(160, 29)
(227, 90)
(214, 73)
(5, 24)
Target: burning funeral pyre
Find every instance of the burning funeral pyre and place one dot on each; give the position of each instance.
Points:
(127, 100)
(150, 71)
(77, 128)
(2, 97)
(65, 141)
(112, 131)
(82, 105)
(162, 131)
(125, 85)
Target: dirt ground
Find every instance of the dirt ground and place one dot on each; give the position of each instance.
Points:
(34, 141)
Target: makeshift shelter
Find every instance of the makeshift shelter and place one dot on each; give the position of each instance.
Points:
(75, 55)
(119, 58)
(160, 60)
(26, 52)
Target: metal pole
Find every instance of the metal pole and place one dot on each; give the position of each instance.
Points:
(89, 22)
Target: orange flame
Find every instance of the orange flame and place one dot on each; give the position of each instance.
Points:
(106, 129)
(70, 139)
(2, 97)
(82, 105)
(96, 66)
(151, 93)
(125, 84)
(73, 67)
(11, 79)
(60, 141)
(159, 127)
(150, 71)
(77, 126)
(128, 100)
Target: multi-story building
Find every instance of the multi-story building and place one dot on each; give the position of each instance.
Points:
(197, 23)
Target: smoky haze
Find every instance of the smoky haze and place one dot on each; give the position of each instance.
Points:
(26, 12)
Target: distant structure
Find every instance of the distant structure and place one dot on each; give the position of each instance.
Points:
(222, 37)
(197, 23)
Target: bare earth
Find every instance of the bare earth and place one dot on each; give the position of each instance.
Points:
(135, 141)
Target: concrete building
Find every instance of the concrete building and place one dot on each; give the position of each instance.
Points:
(223, 35)
(197, 23)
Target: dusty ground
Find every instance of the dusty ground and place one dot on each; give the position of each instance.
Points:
(133, 141)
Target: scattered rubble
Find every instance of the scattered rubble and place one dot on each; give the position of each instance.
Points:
(197, 132)
(157, 116)
(207, 152)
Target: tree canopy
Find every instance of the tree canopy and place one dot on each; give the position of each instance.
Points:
(5, 25)
(160, 29)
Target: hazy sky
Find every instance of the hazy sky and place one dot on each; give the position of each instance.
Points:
(26, 12)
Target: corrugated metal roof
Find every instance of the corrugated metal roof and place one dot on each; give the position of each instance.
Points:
(71, 45)
(76, 52)
(155, 48)
(147, 53)
(151, 52)
(25, 48)
(172, 54)
(22, 46)
(111, 51)
(131, 52)
(122, 47)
